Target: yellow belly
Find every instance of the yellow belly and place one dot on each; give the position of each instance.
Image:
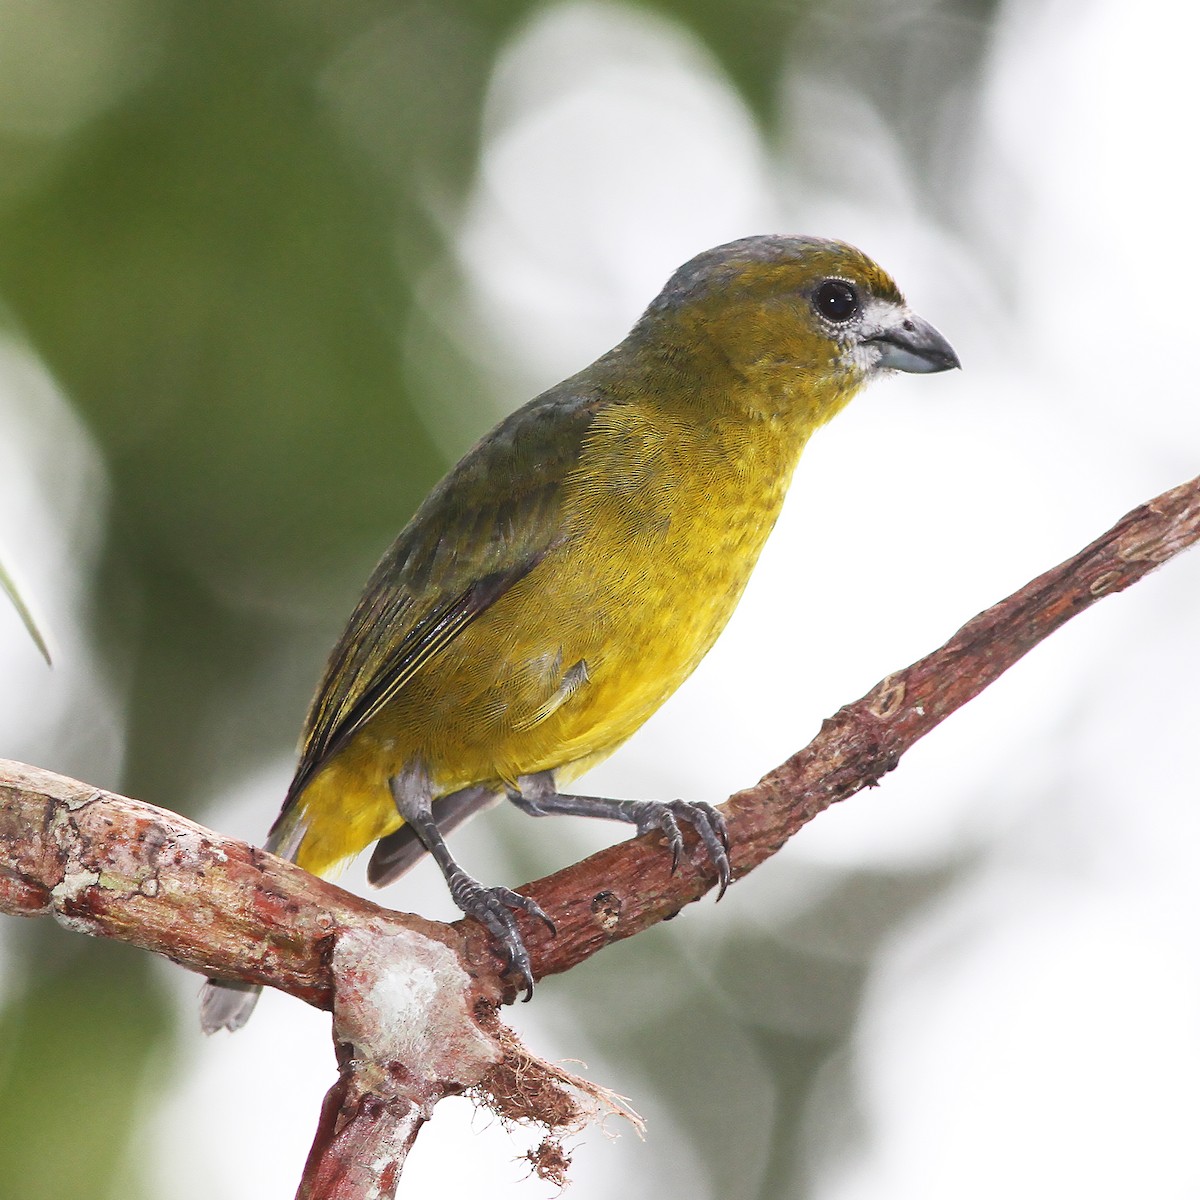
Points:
(637, 592)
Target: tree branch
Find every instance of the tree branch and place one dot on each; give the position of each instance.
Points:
(414, 1001)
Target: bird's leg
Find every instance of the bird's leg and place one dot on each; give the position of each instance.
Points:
(538, 796)
(399, 850)
(492, 907)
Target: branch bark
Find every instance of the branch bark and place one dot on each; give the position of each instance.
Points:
(415, 1001)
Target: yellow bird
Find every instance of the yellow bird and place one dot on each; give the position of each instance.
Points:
(574, 568)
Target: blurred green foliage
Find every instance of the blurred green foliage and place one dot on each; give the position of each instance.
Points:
(77, 1051)
(214, 218)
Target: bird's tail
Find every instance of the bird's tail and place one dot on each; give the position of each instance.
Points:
(228, 1003)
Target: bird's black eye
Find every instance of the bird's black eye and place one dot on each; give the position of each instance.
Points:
(836, 300)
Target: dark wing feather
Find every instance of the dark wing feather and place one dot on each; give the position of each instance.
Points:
(343, 715)
(482, 529)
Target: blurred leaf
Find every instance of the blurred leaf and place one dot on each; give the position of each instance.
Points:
(79, 1041)
(10, 589)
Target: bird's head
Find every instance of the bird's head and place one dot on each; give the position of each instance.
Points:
(797, 321)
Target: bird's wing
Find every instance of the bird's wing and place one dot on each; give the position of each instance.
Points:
(479, 532)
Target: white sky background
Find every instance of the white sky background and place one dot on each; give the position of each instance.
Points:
(1036, 1030)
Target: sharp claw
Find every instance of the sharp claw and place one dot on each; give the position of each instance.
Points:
(526, 977)
(534, 909)
(505, 933)
(710, 826)
(493, 907)
(722, 876)
(716, 841)
(671, 828)
(549, 924)
(708, 823)
(722, 831)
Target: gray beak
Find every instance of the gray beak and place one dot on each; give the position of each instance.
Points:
(912, 344)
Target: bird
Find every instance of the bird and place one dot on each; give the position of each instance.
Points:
(571, 571)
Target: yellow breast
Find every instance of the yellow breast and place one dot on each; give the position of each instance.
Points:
(650, 573)
(663, 523)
